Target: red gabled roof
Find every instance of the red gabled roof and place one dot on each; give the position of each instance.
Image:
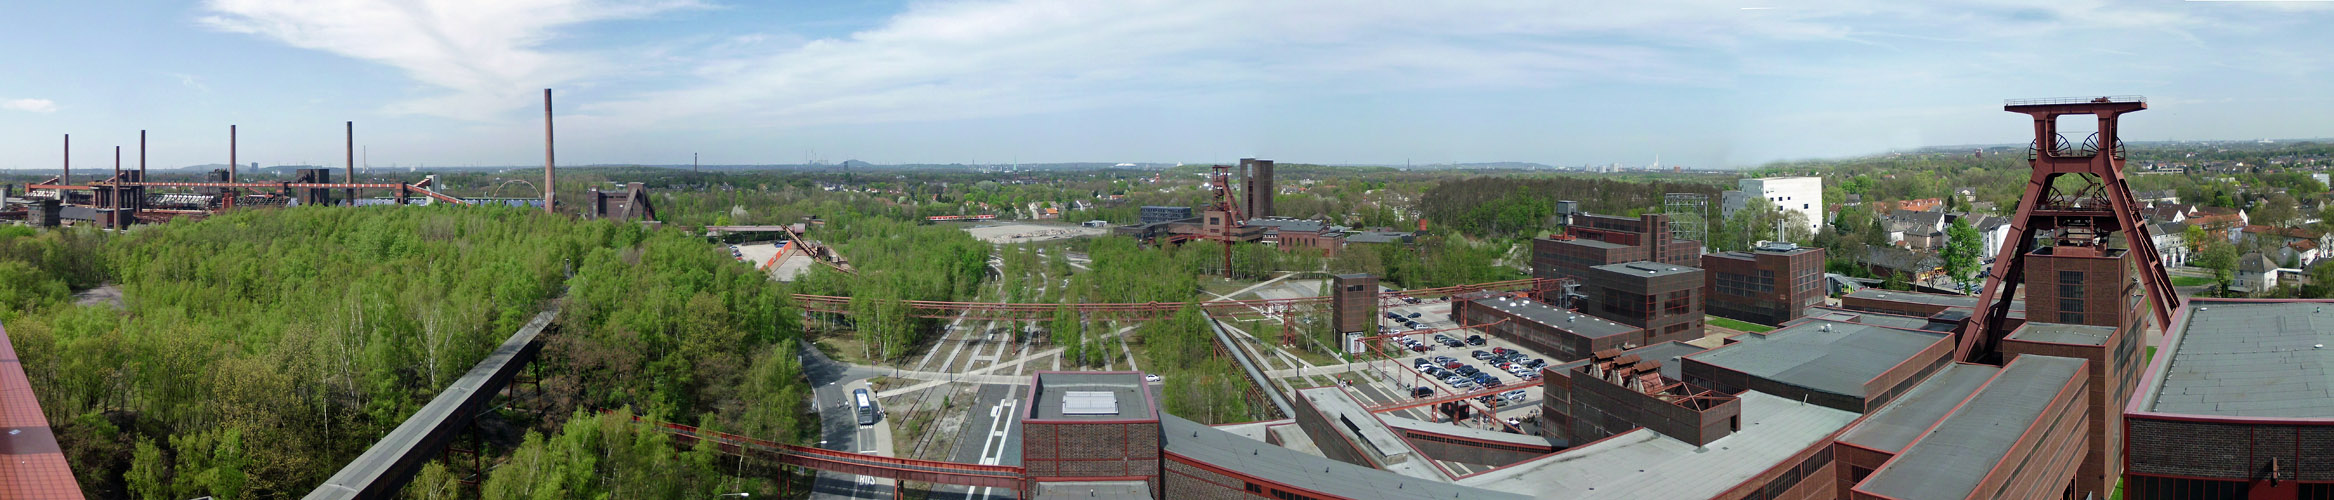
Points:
(31, 464)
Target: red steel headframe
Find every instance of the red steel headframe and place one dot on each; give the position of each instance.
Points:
(2101, 208)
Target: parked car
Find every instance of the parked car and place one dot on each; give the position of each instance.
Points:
(1437, 372)
(1153, 378)
(1466, 370)
(1412, 300)
(1453, 343)
(1501, 350)
(1454, 365)
(1444, 359)
(1422, 391)
(1482, 355)
(1514, 395)
(1414, 315)
(1475, 340)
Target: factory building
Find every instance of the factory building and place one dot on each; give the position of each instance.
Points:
(1591, 240)
(1663, 300)
(1769, 285)
(2235, 405)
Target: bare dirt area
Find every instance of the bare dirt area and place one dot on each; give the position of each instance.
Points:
(1024, 232)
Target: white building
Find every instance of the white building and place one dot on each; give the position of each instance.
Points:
(1791, 194)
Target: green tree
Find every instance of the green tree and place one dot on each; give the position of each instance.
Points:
(148, 475)
(1896, 281)
(1961, 253)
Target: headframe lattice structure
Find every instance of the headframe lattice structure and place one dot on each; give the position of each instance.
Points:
(2076, 216)
(1689, 215)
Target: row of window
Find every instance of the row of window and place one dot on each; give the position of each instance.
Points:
(1276, 493)
(1775, 489)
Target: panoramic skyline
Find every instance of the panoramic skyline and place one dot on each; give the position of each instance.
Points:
(1704, 84)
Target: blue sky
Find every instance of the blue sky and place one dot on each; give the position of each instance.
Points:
(1716, 84)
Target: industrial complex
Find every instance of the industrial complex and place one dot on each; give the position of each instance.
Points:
(2041, 386)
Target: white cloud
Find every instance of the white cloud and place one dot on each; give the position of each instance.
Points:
(30, 105)
(971, 59)
(483, 57)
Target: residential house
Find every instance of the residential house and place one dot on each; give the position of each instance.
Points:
(1996, 230)
(2160, 195)
(1916, 266)
(2166, 212)
(1921, 230)
(2216, 219)
(2255, 273)
(2299, 243)
(2171, 240)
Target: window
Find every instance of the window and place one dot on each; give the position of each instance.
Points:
(2070, 305)
(2070, 277)
(2070, 291)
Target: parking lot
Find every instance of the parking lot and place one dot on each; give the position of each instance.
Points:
(1401, 376)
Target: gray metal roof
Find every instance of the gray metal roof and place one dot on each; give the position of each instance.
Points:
(1594, 243)
(1132, 400)
(1089, 490)
(1579, 324)
(1894, 426)
(1915, 297)
(1950, 459)
(2062, 333)
(1376, 237)
(1642, 268)
(1394, 422)
(1828, 356)
(1385, 448)
(1312, 472)
(1869, 318)
(1642, 464)
(2249, 359)
(1667, 353)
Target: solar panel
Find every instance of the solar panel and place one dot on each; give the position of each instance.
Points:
(1089, 403)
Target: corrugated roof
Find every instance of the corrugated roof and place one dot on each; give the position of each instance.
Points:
(1950, 459)
(2249, 359)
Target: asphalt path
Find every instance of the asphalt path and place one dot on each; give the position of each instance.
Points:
(839, 426)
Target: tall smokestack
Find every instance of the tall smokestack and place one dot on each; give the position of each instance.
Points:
(67, 177)
(141, 156)
(549, 180)
(352, 163)
(113, 195)
(231, 162)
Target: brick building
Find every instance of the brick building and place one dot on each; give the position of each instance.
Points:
(1665, 300)
(1849, 366)
(2017, 436)
(1560, 334)
(1592, 240)
(1090, 426)
(2235, 405)
(1768, 285)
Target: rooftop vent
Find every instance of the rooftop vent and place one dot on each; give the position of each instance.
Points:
(1089, 403)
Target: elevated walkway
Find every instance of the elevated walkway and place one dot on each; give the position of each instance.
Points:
(384, 468)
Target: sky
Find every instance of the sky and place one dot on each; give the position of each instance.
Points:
(1705, 84)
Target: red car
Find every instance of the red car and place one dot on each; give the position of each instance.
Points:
(1454, 365)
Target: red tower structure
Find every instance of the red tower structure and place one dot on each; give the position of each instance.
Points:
(2091, 204)
(1223, 219)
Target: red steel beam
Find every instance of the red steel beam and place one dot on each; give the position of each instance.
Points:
(904, 469)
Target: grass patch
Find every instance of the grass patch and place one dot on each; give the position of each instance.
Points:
(2151, 359)
(2191, 281)
(1739, 325)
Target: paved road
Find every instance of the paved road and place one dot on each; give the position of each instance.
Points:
(992, 430)
(839, 426)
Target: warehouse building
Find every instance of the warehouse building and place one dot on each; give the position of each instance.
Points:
(1664, 300)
